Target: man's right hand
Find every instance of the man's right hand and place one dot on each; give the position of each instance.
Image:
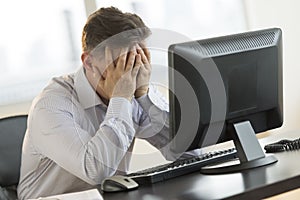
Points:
(120, 78)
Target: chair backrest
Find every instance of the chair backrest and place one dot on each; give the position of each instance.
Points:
(12, 130)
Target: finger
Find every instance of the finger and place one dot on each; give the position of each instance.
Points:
(146, 51)
(98, 74)
(138, 61)
(144, 58)
(130, 61)
(141, 51)
(100, 85)
(138, 64)
(121, 64)
(109, 64)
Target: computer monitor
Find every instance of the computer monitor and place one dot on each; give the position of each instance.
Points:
(226, 88)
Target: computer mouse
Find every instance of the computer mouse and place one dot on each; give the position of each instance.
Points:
(118, 183)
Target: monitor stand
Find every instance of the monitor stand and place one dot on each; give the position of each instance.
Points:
(249, 151)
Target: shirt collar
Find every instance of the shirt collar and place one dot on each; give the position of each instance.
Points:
(87, 96)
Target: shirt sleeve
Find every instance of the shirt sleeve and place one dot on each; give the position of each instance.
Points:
(57, 135)
(154, 124)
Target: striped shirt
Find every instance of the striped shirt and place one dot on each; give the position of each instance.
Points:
(73, 140)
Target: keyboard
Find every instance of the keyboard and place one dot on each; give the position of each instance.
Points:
(181, 167)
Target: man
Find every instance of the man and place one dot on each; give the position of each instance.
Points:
(81, 128)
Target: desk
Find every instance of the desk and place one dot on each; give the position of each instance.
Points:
(256, 183)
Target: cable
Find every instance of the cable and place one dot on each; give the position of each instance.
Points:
(283, 145)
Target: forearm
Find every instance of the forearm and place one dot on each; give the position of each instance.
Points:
(156, 108)
(70, 146)
(155, 125)
(103, 154)
(113, 139)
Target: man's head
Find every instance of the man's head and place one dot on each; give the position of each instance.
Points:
(110, 27)
(107, 22)
(113, 29)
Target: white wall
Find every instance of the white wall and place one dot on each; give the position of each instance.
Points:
(284, 14)
(260, 14)
(14, 109)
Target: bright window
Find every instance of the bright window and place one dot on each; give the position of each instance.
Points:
(42, 39)
(39, 40)
(194, 19)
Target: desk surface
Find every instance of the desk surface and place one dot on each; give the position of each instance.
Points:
(250, 184)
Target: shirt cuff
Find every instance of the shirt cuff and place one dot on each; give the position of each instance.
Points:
(153, 97)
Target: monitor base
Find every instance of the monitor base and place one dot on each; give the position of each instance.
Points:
(239, 167)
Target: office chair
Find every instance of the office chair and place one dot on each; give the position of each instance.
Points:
(12, 130)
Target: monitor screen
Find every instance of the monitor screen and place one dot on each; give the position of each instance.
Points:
(226, 88)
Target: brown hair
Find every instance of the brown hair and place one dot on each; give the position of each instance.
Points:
(107, 22)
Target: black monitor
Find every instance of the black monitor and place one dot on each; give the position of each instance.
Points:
(226, 88)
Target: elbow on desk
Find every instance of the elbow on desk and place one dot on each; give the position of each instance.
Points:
(94, 170)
